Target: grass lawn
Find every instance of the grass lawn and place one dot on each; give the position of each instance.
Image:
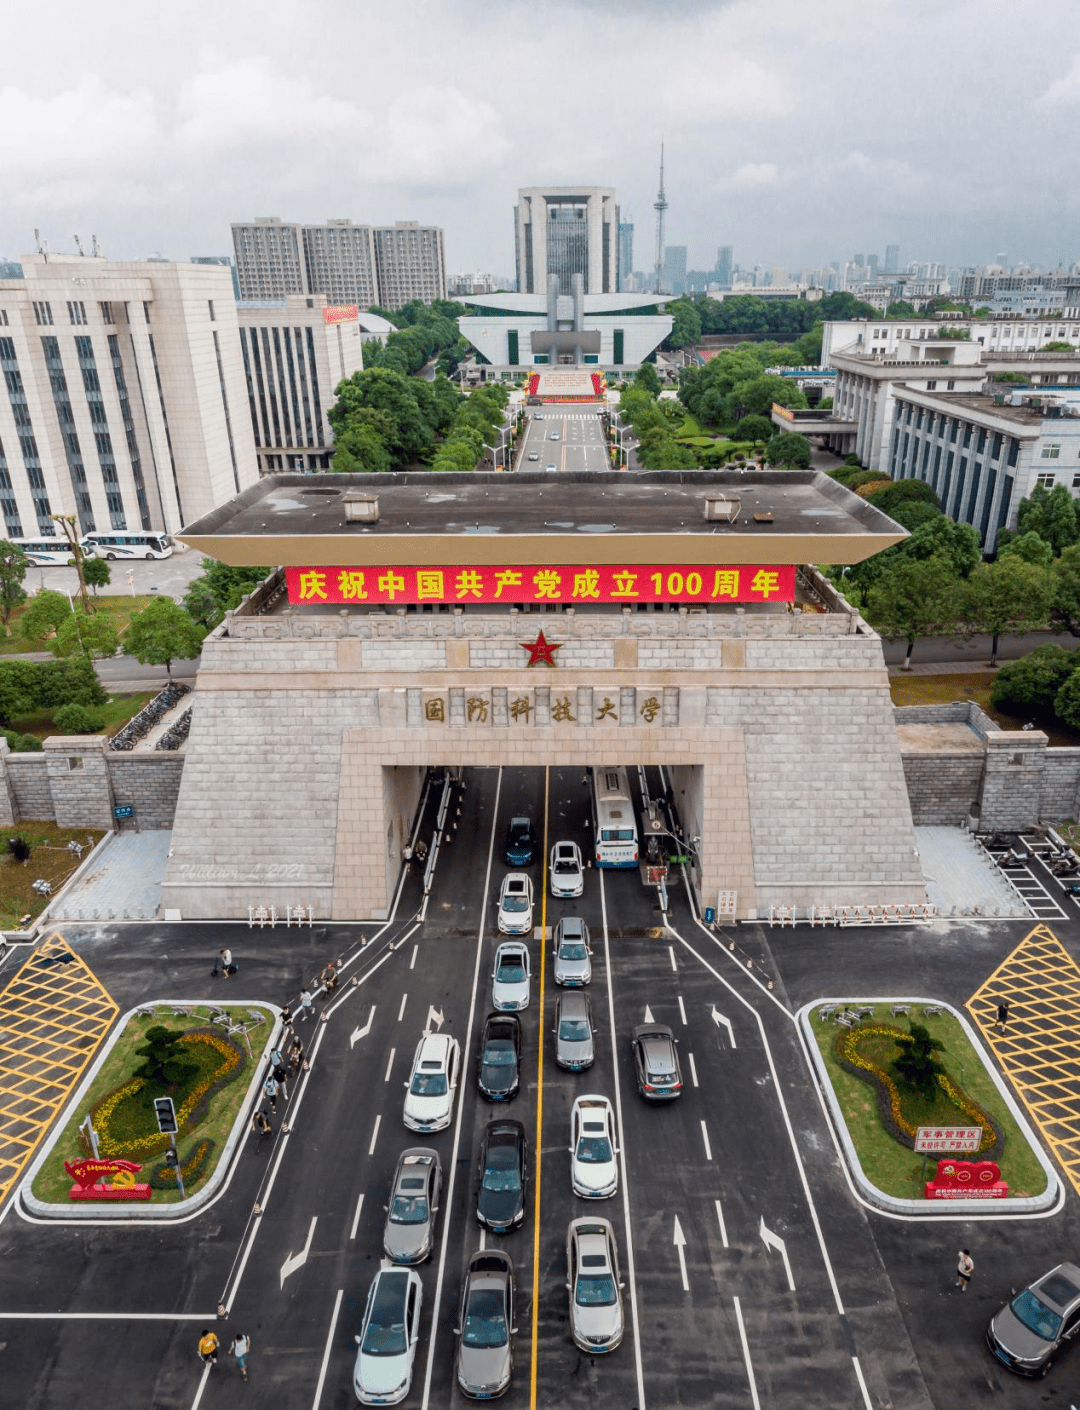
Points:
(119, 609)
(971, 685)
(50, 859)
(53, 1182)
(892, 1167)
(116, 711)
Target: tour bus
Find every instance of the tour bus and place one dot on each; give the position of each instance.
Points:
(125, 545)
(52, 550)
(615, 834)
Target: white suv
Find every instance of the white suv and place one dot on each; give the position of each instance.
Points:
(429, 1100)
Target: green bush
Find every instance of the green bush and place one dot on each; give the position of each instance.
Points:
(22, 743)
(1032, 684)
(77, 719)
(163, 1176)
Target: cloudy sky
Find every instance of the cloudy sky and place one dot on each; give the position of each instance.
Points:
(799, 131)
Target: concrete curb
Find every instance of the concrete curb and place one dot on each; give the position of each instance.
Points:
(945, 1209)
(139, 1212)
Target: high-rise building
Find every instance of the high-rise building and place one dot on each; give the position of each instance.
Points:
(724, 257)
(892, 259)
(220, 259)
(409, 263)
(269, 258)
(125, 395)
(560, 231)
(626, 252)
(674, 280)
(872, 265)
(339, 261)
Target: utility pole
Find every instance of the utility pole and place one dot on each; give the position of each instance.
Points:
(660, 205)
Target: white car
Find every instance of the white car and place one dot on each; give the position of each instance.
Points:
(516, 904)
(565, 871)
(510, 977)
(593, 1172)
(388, 1337)
(534, 455)
(429, 1098)
(551, 466)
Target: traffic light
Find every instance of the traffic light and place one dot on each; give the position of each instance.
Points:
(171, 1158)
(166, 1116)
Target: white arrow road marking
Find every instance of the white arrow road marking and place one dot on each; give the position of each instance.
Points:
(771, 1240)
(720, 1219)
(434, 1016)
(718, 1018)
(297, 1260)
(648, 1015)
(680, 1247)
(359, 1033)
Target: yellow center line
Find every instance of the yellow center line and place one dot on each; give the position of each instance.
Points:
(539, 1101)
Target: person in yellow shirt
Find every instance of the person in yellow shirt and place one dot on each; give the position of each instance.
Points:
(208, 1347)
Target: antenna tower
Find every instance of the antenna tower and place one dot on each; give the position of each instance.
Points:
(660, 205)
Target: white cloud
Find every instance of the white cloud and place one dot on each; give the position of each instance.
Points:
(435, 137)
(81, 131)
(753, 174)
(1065, 90)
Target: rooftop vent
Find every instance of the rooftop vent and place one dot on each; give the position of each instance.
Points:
(721, 509)
(360, 507)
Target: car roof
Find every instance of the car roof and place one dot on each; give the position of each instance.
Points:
(570, 847)
(392, 1286)
(652, 1030)
(490, 1260)
(512, 947)
(416, 1155)
(515, 881)
(504, 1127)
(521, 822)
(434, 1047)
(572, 926)
(1061, 1286)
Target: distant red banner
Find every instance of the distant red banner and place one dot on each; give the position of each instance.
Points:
(340, 313)
(653, 582)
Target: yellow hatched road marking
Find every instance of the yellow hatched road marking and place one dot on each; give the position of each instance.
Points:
(54, 1014)
(1038, 1052)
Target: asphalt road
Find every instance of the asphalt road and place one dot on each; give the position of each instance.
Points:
(580, 444)
(868, 1316)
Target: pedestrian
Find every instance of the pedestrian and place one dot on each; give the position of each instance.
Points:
(227, 966)
(239, 1348)
(305, 1003)
(270, 1088)
(281, 1075)
(1002, 1014)
(276, 1058)
(964, 1269)
(328, 979)
(286, 1017)
(296, 1055)
(260, 1124)
(208, 1347)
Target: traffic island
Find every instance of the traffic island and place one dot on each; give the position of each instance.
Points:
(172, 1091)
(926, 1124)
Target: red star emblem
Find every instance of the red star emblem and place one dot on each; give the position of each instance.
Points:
(540, 650)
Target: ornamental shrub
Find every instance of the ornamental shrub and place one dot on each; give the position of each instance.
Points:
(77, 719)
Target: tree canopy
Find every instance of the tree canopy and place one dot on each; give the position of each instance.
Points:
(163, 633)
(788, 448)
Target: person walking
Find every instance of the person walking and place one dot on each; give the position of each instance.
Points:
(281, 1077)
(296, 1055)
(227, 966)
(208, 1347)
(270, 1088)
(286, 1018)
(305, 1003)
(1002, 1014)
(260, 1124)
(239, 1347)
(964, 1268)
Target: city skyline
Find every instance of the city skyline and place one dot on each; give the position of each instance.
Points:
(766, 149)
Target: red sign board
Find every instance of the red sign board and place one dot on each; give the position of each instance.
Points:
(967, 1179)
(653, 582)
(88, 1176)
(341, 313)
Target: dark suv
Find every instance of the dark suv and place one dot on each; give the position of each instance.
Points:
(519, 849)
(656, 1062)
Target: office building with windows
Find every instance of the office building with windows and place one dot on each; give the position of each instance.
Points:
(124, 401)
(410, 263)
(560, 231)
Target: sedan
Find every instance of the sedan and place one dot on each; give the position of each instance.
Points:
(485, 1355)
(573, 965)
(656, 1062)
(388, 1337)
(1039, 1321)
(429, 1100)
(516, 904)
(574, 1046)
(555, 436)
(409, 1231)
(566, 872)
(519, 844)
(500, 1201)
(498, 1072)
(534, 455)
(593, 1282)
(510, 977)
(593, 1172)
(551, 465)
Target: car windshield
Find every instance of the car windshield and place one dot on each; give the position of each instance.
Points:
(429, 1084)
(595, 1290)
(499, 1054)
(409, 1209)
(515, 903)
(511, 971)
(386, 1340)
(1035, 1315)
(571, 950)
(594, 1150)
(574, 1030)
(501, 1173)
(565, 864)
(485, 1322)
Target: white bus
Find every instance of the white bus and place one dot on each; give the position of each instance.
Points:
(615, 834)
(52, 550)
(125, 545)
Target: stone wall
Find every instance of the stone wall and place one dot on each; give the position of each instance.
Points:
(943, 789)
(76, 781)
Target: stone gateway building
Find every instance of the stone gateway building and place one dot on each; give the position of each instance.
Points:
(487, 619)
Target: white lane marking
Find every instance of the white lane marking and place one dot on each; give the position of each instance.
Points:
(671, 952)
(358, 1033)
(203, 1317)
(746, 1354)
(771, 1240)
(375, 1135)
(631, 1276)
(648, 1015)
(356, 1216)
(720, 1221)
(326, 1353)
(483, 1238)
(718, 1018)
(679, 1240)
(401, 1010)
(412, 961)
(705, 1138)
(389, 1064)
(682, 1011)
(297, 1260)
(693, 1069)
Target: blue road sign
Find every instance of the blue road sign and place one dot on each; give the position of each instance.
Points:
(710, 914)
(125, 810)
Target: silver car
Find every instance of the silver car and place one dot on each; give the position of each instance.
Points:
(574, 1046)
(573, 953)
(1039, 1322)
(485, 1354)
(409, 1231)
(510, 977)
(388, 1337)
(565, 870)
(594, 1285)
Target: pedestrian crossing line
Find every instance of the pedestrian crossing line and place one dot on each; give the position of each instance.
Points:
(1038, 1052)
(54, 1014)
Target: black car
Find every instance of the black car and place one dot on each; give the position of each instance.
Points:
(500, 1201)
(519, 848)
(656, 1062)
(1038, 1322)
(498, 1072)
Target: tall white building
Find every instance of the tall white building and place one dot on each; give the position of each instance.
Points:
(124, 398)
(560, 231)
(410, 263)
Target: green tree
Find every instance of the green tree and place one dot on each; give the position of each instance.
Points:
(1029, 547)
(94, 636)
(944, 537)
(1065, 576)
(753, 428)
(1031, 684)
(19, 689)
(219, 589)
(1009, 597)
(1052, 515)
(904, 492)
(901, 309)
(648, 379)
(13, 566)
(916, 1065)
(163, 1051)
(410, 436)
(1058, 346)
(686, 328)
(163, 633)
(915, 598)
(756, 395)
(1067, 701)
(788, 448)
(97, 572)
(76, 719)
(911, 514)
(44, 615)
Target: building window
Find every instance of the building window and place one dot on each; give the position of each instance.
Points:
(950, 386)
(43, 314)
(1051, 451)
(3, 318)
(210, 306)
(146, 311)
(1046, 480)
(1076, 482)
(931, 386)
(76, 312)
